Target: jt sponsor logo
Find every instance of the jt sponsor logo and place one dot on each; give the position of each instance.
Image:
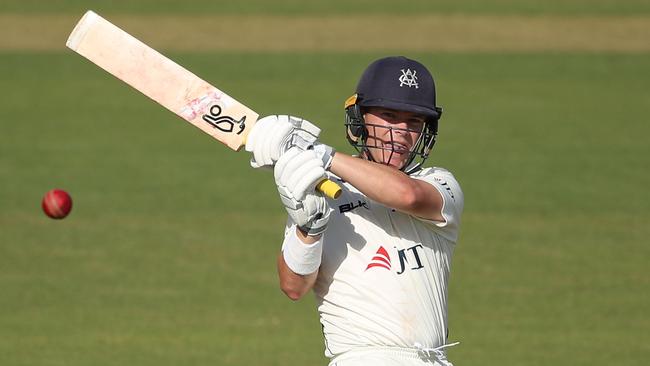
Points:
(409, 258)
(405, 254)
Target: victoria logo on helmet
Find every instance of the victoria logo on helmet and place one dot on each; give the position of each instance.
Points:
(408, 78)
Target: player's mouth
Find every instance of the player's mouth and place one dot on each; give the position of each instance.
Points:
(397, 147)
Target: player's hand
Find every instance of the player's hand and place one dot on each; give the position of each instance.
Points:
(296, 174)
(273, 135)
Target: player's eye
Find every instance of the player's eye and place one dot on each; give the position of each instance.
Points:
(388, 115)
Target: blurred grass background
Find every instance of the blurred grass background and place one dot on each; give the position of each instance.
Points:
(569, 7)
(168, 256)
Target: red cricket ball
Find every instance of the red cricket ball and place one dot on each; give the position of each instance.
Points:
(57, 203)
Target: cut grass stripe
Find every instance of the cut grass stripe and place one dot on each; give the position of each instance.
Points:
(426, 33)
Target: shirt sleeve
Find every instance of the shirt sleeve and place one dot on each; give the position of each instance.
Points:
(452, 197)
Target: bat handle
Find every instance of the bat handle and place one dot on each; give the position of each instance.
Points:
(329, 188)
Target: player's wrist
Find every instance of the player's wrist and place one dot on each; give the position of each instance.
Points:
(317, 226)
(306, 237)
(302, 258)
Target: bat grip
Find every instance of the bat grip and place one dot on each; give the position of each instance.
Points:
(329, 188)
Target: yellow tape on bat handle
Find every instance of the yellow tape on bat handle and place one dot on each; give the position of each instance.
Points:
(329, 188)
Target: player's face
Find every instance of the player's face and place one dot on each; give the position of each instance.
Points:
(392, 134)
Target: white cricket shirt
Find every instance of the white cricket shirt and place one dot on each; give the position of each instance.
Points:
(383, 276)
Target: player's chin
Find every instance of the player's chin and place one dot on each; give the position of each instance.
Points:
(396, 161)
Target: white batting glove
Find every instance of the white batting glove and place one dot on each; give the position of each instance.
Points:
(273, 135)
(296, 175)
(325, 153)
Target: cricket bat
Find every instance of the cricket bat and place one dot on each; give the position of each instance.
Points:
(167, 83)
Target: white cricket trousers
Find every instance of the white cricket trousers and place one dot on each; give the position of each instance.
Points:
(389, 356)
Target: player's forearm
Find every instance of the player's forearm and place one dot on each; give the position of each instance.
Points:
(295, 286)
(385, 185)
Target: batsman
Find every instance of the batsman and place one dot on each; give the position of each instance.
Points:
(378, 258)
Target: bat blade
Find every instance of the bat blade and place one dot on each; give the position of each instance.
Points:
(163, 80)
(167, 83)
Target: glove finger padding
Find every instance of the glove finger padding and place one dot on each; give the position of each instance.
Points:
(299, 171)
(269, 147)
(267, 140)
(255, 138)
(275, 142)
(307, 181)
(257, 132)
(281, 164)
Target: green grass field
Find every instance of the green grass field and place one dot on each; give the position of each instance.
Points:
(569, 7)
(168, 257)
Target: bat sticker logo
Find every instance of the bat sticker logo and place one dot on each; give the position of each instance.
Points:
(223, 123)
